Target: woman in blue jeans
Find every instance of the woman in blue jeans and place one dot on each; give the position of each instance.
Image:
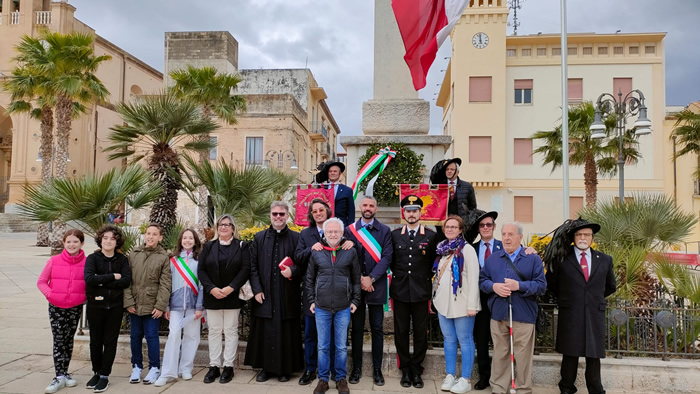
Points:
(457, 301)
(333, 291)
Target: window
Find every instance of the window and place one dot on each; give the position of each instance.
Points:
(522, 151)
(254, 151)
(212, 151)
(526, 52)
(541, 51)
(622, 84)
(510, 52)
(634, 50)
(556, 51)
(480, 149)
(618, 50)
(575, 90)
(523, 91)
(572, 51)
(587, 50)
(479, 89)
(602, 50)
(522, 209)
(575, 205)
(650, 49)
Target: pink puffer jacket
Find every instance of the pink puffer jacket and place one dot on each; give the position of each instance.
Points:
(62, 281)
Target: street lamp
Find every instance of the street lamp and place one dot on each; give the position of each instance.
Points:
(282, 155)
(622, 107)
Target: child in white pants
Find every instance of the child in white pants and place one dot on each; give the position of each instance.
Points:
(184, 312)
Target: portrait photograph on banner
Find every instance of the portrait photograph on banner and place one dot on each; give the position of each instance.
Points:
(306, 194)
(435, 200)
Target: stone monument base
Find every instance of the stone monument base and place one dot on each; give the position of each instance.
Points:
(407, 116)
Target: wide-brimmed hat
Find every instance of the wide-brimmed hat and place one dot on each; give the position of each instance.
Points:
(474, 218)
(580, 224)
(437, 174)
(450, 161)
(322, 175)
(336, 163)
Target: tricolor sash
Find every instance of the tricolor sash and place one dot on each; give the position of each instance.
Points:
(367, 241)
(186, 273)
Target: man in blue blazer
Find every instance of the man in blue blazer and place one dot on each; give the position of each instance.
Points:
(374, 287)
(344, 201)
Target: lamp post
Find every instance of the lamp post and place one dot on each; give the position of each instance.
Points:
(281, 155)
(622, 108)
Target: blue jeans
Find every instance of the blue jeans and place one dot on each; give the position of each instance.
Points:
(311, 344)
(338, 321)
(144, 326)
(453, 330)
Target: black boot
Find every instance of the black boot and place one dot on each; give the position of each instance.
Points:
(378, 377)
(212, 374)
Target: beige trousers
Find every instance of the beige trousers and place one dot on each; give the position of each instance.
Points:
(523, 348)
(223, 321)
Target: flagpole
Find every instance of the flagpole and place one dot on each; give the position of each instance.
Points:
(564, 112)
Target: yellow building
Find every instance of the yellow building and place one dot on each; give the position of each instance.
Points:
(499, 90)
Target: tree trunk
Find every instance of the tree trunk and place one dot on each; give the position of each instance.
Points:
(164, 210)
(590, 181)
(202, 192)
(45, 147)
(64, 113)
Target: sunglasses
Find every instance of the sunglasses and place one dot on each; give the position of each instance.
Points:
(278, 213)
(485, 225)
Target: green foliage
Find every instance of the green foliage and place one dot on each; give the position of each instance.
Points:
(406, 167)
(677, 279)
(245, 194)
(687, 134)
(169, 241)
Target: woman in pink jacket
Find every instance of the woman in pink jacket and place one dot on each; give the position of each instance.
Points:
(62, 282)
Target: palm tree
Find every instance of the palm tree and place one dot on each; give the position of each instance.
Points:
(156, 128)
(212, 91)
(64, 66)
(686, 131)
(596, 156)
(88, 201)
(246, 194)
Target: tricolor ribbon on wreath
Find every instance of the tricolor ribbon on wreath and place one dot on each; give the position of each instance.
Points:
(381, 159)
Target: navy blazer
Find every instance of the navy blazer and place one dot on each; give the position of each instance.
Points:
(497, 245)
(381, 233)
(344, 205)
(307, 238)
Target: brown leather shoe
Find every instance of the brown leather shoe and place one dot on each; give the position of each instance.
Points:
(342, 387)
(321, 387)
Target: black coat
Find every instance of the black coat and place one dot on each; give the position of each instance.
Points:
(261, 266)
(464, 201)
(307, 238)
(333, 286)
(581, 326)
(101, 289)
(235, 275)
(412, 265)
(377, 270)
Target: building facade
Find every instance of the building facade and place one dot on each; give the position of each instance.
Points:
(499, 90)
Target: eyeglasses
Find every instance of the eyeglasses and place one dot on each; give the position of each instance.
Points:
(583, 235)
(318, 211)
(452, 228)
(225, 225)
(485, 225)
(333, 232)
(278, 213)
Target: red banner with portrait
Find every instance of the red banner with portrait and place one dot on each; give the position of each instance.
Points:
(306, 194)
(435, 200)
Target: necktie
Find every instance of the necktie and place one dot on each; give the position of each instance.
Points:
(368, 227)
(411, 235)
(452, 191)
(320, 233)
(584, 265)
(487, 252)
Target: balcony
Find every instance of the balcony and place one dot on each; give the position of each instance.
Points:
(14, 18)
(43, 18)
(318, 132)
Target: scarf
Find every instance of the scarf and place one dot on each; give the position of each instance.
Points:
(332, 250)
(446, 248)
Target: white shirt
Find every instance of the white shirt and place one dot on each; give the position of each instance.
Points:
(588, 258)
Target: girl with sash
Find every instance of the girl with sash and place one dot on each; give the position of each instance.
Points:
(184, 311)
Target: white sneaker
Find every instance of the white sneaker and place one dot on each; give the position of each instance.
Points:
(135, 375)
(462, 386)
(56, 384)
(70, 382)
(448, 382)
(162, 381)
(153, 374)
(186, 376)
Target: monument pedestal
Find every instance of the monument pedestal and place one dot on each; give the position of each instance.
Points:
(407, 116)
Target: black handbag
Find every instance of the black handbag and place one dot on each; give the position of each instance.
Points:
(541, 321)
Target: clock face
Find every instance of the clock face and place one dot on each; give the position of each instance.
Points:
(480, 40)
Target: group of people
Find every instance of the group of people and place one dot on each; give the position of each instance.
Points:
(330, 277)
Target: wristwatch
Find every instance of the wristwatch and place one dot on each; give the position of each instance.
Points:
(373, 279)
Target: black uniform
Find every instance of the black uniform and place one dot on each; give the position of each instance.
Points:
(411, 287)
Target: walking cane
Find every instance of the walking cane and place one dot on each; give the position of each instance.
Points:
(512, 365)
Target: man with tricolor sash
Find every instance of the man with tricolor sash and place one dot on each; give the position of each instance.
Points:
(372, 241)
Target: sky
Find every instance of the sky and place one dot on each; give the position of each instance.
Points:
(334, 38)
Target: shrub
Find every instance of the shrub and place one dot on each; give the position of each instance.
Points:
(406, 167)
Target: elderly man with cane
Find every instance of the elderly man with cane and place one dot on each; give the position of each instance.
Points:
(512, 280)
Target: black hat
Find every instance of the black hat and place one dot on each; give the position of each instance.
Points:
(336, 163)
(437, 174)
(580, 224)
(411, 202)
(322, 175)
(475, 217)
(447, 162)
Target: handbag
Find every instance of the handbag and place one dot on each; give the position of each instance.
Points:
(246, 292)
(541, 320)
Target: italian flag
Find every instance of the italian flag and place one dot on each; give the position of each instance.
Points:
(424, 26)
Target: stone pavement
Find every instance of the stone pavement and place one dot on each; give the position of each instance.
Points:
(26, 364)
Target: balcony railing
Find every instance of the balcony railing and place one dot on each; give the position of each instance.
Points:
(14, 18)
(43, 17)
(319, 132)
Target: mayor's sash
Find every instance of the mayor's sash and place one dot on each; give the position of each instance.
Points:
(367, 241)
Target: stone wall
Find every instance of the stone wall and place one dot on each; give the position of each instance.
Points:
(293, 81)
(216, 49)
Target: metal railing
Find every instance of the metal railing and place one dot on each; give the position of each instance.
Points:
(697, 187)
(14, 18)
(318, 127)
(43, 17)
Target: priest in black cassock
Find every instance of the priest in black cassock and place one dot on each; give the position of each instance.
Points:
(275, 343)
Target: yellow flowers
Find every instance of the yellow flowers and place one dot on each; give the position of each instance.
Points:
(247, 234)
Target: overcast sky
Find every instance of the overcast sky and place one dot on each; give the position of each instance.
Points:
(336, 36)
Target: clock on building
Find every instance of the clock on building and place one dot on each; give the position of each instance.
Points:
(480, 40)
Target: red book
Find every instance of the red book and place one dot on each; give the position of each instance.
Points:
(286, 262)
